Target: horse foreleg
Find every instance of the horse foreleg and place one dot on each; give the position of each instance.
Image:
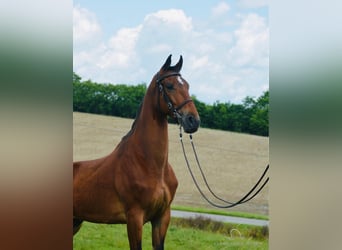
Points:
(134, 229)
(159, 229)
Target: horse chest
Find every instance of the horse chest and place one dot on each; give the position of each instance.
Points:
(159, 199)
(154, 195)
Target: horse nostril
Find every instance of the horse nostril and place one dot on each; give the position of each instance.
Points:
(190, 123)
(191, 120)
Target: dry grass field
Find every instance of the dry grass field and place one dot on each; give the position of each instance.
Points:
(233, 162)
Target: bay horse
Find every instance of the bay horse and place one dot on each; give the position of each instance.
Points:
(135, 183)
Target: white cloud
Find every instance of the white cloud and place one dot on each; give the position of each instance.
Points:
(171, 17)
(199, 63)
(125, 39)
(220, 9)
(162, 33)
(85, 26)
(219, 88)
(159, 48)
(253, 3)
(110, 61)
(252, 42)
(120, 49)
(219, 64)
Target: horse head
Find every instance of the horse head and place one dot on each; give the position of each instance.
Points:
(174, 99)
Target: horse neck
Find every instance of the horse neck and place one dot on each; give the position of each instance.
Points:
(151, 130)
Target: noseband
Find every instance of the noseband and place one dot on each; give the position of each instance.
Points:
(170, 105)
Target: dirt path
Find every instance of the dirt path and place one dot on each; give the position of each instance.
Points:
(221, 218)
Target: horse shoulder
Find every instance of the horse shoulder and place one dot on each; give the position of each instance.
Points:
(171, 180)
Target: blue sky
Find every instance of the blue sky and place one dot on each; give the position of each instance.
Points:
(225, 44)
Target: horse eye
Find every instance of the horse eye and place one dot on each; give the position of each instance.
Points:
(169, 86)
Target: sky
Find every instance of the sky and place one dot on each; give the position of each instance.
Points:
(224, 44)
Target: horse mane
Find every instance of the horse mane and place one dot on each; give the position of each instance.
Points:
(134, 122)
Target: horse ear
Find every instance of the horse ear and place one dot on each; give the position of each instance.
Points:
(167, 63)
(178, 66)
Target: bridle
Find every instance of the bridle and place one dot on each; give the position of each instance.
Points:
(176, 115)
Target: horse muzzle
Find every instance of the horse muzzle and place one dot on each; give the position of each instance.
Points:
(190, 123)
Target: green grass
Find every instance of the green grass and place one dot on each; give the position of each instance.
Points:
(182, 234)
(218, 212)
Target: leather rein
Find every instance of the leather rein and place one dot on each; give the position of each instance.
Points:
(226, 203)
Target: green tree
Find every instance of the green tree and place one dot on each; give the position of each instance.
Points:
(76, 78)
(123, 100)
(259, 118)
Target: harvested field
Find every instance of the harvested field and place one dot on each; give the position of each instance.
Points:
(233, 162)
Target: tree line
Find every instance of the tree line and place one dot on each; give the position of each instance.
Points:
(123, 100)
